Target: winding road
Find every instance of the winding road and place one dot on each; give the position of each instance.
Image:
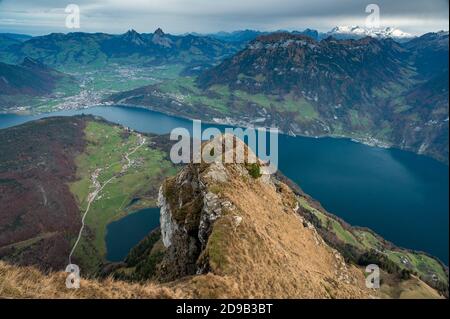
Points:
(98, 188)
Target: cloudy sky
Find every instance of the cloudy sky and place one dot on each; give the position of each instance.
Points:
(180, 16)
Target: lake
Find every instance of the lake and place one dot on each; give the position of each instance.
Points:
(127, 232)
(400, 195)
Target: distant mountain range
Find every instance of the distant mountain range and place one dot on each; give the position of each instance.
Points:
(374, 90)
(58, 49)
(15, 36)
(7, 41)
(338, 32)
(245, 36)
(95, 48)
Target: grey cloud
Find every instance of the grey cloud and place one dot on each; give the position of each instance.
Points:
(212, 15)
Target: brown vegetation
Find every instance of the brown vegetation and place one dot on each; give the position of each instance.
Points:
(36, 163)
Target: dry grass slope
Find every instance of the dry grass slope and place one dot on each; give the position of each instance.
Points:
(27, 282)
(272, 253)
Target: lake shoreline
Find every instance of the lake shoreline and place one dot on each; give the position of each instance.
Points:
(371, 192)
(368, 141)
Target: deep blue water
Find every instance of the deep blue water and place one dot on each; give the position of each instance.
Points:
(127, 232)
(400, 195)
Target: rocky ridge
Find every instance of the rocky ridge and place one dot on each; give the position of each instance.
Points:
(223, 219)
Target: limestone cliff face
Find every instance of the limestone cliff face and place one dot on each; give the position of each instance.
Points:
(223, 220)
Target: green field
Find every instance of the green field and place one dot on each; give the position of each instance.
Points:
(422, 264)
(90, 84)
(107, 145)
(118, 78)
(419, 263)
(224, 100)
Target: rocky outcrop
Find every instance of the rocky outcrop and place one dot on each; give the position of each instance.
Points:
(188, 212)
(220, 219)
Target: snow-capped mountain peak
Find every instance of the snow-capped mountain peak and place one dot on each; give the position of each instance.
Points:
(358, 31)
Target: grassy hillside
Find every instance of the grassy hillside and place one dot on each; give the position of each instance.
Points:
(183, 97)
(293, 113)
(122, 178)
(364, 246)
(28, 282)
(81, 86)
(52, 168)
(21, 282)
(32, 84)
